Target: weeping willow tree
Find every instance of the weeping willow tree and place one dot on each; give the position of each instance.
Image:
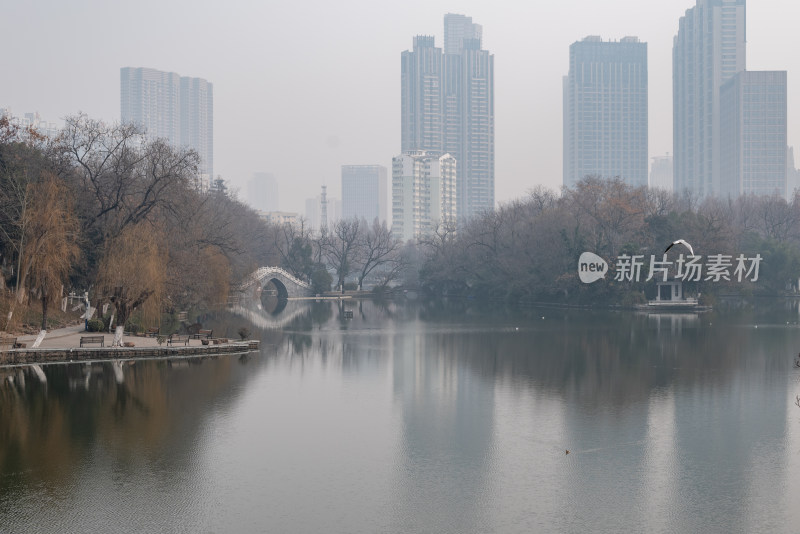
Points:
(132, 273)
(51, 235)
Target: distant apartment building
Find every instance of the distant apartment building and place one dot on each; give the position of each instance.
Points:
(34, 121)
(753, 158)
(262, 191)
(423, 193)
(708, 50)
(661, 172)
(313, 212)
(364, 192)
(447, 107)
(605, 111)
(172, 107)
(792, 176)
(278, 217)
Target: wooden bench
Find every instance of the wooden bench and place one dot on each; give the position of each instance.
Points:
(11, 342)
(93, 339)
(152, 332)
(178, 338)
(202, 334)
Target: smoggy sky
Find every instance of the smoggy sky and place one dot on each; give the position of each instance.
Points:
(301, 88)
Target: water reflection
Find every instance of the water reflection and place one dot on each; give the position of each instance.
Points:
(420, 417)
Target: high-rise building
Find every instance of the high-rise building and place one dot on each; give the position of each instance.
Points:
(313, 212)
(421, 108)
(448, 108)
(458, 28)
(708, 50)
(753, 156)
(605, 111)
(423, 193)
(169, 106)
(792, 176)
(661, 172)
(364, 192)
(197, 121)
(263, 192)
(150, 98)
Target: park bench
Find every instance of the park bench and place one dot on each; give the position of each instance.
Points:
(10, 342)
(202, 334)
(88, 340)
(178, 338)
(152, 332)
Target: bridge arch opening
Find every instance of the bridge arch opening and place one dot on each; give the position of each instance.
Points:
(274, 296)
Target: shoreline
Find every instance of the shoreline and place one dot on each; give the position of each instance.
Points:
(26, 356)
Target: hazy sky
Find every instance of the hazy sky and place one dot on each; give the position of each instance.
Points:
(301, 88)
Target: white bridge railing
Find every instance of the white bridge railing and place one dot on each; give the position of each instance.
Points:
(263, 272)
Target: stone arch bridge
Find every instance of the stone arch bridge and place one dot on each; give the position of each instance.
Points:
(288, 286)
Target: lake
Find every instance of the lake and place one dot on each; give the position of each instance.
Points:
(421, 417)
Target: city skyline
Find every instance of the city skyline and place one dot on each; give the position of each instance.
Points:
(272, 108)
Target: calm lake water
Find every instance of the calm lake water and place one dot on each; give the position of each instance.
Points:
(421, 418)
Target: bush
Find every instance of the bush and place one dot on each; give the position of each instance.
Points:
(321, 280)
(133, 328)
(244, 333)
(95, 325)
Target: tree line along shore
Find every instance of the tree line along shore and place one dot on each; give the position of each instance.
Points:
(103, 209)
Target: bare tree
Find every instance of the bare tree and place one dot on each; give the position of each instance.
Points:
(341, 248)
(377, 250)
(125, 176)
(295, 248)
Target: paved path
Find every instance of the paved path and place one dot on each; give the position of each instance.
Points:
(70, 337)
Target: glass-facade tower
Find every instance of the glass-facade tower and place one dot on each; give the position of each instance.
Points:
(605, 111)
(708, 50)
(753, 157)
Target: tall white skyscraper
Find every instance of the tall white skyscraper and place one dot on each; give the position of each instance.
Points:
(364, 192)
(169, 106)
(605, 111)
(421, 110)
(708, 50)
(423, 193)
(448, 108)
(753, 157)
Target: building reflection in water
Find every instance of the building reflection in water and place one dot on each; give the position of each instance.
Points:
(438, 417)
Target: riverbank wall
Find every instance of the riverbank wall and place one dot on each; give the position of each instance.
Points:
(25, 356)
